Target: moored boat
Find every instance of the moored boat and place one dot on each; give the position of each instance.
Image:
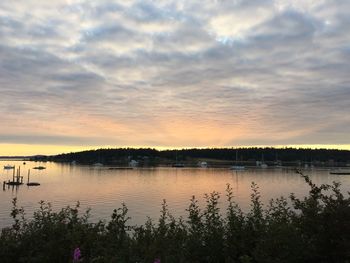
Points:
(203, 164)
(237, 167)
(178, 165)
(39, 167)
(340, 172)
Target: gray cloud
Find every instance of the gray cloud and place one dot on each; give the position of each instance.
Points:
(55, 140)
(259, 72)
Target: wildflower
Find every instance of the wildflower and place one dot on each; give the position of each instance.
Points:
(157, 260)
(76, 255)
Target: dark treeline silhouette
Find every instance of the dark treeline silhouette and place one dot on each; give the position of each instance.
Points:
(152, 156)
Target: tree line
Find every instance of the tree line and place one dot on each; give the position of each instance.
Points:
(154, 156)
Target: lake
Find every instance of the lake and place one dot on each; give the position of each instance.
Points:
(143, 189)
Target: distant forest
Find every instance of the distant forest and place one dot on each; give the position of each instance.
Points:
(148, 156)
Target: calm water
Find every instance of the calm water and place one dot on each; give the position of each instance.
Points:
(143, 189)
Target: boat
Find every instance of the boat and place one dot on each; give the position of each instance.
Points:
(262, 163)
(133, 163)
(39, 167)
(178, 165)
(277, 163)
(120, 168)
(203, 164)
(340, 172)
(9, 167)
(237, 167)
(33, 184)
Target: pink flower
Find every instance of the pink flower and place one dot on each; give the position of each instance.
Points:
(76, 255)
(157, 260)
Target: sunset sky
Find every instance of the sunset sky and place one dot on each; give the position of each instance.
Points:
(86, 74)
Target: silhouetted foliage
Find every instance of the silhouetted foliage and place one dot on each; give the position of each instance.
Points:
(315, 228)
(147, 156)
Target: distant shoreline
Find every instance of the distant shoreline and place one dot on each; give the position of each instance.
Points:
(148, 157)
(15, 158)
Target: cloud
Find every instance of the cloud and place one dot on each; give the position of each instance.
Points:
(174, 73)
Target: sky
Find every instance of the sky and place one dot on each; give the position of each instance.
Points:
(80, 74)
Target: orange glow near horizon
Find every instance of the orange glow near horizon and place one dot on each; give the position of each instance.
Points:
(169, 83)
(28, 150)
(86, 132)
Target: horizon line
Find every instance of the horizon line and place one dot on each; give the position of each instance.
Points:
(161, 148)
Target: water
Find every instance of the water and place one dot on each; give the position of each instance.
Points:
(143, 189)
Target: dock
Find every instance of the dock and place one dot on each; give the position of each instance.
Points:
(17, 179)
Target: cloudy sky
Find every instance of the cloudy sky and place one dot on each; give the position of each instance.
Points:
(80, 74)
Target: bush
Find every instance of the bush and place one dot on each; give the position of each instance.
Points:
(313, 229)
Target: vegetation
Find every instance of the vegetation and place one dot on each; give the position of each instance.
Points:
(313, 229)
(148, 156)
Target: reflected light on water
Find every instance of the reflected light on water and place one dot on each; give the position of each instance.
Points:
(143, 189)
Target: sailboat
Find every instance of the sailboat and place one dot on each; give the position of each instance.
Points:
(99, 163)
(263, 164)
(277, 163)
(203, 164)
(177, 164)
(237, 167)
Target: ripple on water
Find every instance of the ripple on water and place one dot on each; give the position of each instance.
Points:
(143, 190)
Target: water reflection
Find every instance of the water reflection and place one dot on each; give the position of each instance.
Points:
(144, 189)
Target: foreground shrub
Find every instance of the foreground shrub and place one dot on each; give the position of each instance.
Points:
(313, 229)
